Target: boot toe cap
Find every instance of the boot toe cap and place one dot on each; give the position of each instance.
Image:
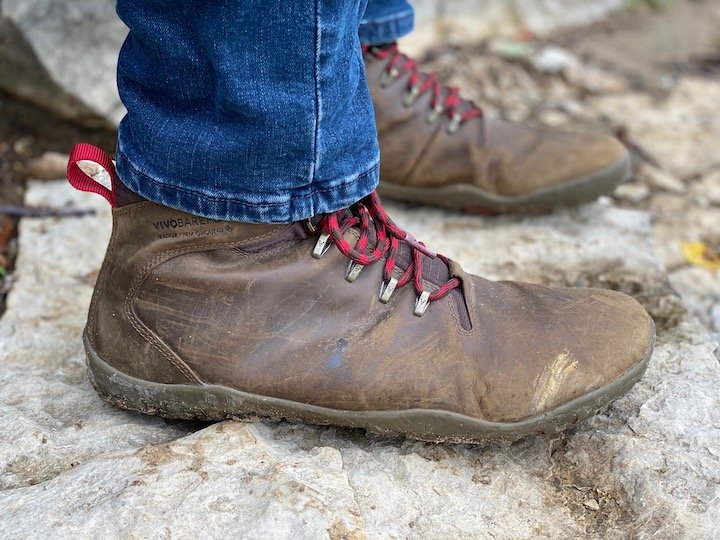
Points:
(556, 346)
(607, 346)
(540, 158)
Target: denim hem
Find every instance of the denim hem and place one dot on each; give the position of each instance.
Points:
(319, 197)
(378, 31)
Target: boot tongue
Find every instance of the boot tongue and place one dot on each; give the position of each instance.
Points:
(434, 270)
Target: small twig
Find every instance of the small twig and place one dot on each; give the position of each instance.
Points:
(44, 211)
(7, 226)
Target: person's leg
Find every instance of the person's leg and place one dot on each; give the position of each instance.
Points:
(386, 21)
(233, 115)
(341, 318)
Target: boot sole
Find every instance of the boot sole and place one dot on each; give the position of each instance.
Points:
(472, 199)
(214, 403)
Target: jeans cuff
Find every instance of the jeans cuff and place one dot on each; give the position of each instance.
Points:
(320, 197)
(387, 29)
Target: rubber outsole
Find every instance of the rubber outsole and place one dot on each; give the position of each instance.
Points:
(471, 198)
(214, 403)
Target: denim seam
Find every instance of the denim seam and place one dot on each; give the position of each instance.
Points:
(390, 18)
(314, 192)
(316, 67)
(389, 28)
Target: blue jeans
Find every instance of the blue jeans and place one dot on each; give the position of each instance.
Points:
(385, 21)
(248, 111)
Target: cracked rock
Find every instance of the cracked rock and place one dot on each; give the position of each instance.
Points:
(73, 466)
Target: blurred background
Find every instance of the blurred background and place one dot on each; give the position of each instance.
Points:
(645, 70)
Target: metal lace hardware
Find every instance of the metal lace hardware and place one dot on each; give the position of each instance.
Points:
(422, 303)
(322, 245)
(454, 124)
(387, 77)
(434, 114)
(386, 289)
(411, 96)
(353, 271)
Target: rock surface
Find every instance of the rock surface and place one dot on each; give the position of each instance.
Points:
(48, 166)
(649, 45)
(63, 56)
(465, 21)
(72, 466)
(681, 132)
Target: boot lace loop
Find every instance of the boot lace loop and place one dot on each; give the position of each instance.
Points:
(445, 99)
(386, 243)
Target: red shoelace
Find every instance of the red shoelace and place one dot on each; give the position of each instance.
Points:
(387, 241)
(444, 98)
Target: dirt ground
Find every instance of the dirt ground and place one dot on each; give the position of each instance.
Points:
(651, 75)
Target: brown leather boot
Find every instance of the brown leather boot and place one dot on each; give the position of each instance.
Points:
(347, 320)
(439, 149)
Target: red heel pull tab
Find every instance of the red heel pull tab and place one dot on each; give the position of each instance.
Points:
(79, 179)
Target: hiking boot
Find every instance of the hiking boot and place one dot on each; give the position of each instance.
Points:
(439, 149)
(344, 319)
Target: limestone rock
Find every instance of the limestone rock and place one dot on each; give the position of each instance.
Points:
(63, 56)
(242, 481)
(553, 59)
(656, 37)
(632, 191)
(700, 288)
(545, 16)
(72, 466)
(467, 21)
(594, 80)
(707, 190)
(680, 219)
(48, 166)
(660, 179)
(681, 132)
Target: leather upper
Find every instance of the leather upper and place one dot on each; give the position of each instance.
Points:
(497, 156)
(181, 299)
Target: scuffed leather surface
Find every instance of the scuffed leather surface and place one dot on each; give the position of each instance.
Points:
(497, 156)
(197, 307)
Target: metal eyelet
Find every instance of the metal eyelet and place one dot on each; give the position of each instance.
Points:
(411, 96)
(386, 290)
(422, 303)
(434, 114)
(353, 271)
(454, 124)
(387, 77)
(322, 245)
